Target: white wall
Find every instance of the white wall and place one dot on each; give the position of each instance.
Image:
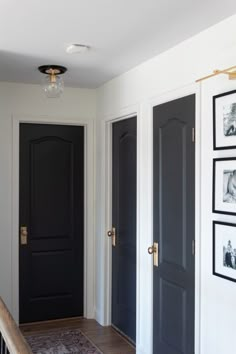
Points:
(29, 101)
(162, 78)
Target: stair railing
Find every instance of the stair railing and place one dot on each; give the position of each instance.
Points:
(11, 339)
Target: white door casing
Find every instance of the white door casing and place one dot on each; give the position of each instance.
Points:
(89, 249)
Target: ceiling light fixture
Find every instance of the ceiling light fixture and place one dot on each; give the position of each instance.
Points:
(77, 48)
(52, 84)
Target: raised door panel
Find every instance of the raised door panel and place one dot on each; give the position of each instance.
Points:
(172, 171)
(51, 180)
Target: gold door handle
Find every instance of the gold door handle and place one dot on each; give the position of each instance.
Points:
(23, 235)
(154, 250)
(151, 250)
(112, 233)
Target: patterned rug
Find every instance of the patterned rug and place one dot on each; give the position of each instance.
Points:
(61, 342)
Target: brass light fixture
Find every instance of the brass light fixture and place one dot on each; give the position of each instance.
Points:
(231, 72)
(52, 84)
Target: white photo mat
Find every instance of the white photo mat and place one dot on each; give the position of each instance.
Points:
(224, 186)
(224, 120)
(224, 250)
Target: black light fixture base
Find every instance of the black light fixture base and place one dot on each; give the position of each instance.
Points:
(57, 69)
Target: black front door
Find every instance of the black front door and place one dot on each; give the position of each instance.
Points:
(173, 202)
(51, 221)
(124, 221)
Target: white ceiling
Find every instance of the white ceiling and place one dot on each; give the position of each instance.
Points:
(121, 33)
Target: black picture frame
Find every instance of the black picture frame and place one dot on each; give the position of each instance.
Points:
(223, 200)
(224, 266)
(218, 121)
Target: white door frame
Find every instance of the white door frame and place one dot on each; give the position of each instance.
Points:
(89, 256)
(144, 289)
(157, 100)
(143, 227)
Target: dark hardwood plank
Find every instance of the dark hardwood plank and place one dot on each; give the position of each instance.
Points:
(105, 338)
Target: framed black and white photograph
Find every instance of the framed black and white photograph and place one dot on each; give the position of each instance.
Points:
(224, 186)
(224, 121)
(224, 250)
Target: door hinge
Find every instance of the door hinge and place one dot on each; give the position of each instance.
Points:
(193, 135)
(193, 247)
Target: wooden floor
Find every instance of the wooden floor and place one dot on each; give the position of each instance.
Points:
(105, 338)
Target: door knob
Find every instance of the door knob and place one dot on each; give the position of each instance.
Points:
(109, 233)
(112, 233)
(151, 249)
(23, 235)
(154, 250)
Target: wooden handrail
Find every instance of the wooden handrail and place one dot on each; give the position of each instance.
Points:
(11, 334)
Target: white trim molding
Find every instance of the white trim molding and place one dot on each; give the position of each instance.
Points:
(89, 190)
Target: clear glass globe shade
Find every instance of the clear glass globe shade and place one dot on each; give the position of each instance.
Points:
(53, 88)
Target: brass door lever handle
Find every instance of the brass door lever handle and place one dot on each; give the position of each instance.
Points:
(154, 250)
(151, 249)
(23, 235)
(112, 233)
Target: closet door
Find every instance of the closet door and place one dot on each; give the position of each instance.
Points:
(174, 226)
(124, 162)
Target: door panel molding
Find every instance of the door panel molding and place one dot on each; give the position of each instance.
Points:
(89, 239)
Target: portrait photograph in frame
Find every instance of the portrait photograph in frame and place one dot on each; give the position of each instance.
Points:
(224, 121)
(224, 186)
(224, 250)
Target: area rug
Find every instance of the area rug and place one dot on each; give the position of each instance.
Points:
(61, 342)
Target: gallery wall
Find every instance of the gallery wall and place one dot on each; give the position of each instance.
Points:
(218, 294)
(160, 79)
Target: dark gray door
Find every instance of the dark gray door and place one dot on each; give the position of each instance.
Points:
(124, 221)
(174, 199)
(52, 212)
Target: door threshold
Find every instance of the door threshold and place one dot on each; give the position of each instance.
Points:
(124, 336)
(57, 320)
